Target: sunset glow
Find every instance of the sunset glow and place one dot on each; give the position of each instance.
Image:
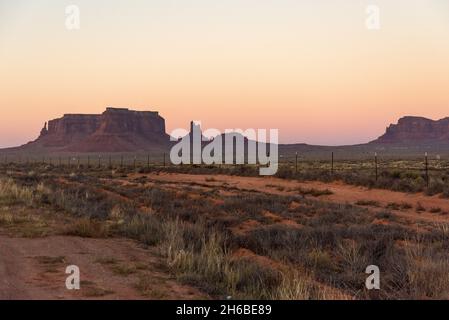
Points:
(309, 68)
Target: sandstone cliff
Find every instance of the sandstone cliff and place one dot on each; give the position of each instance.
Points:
(115, 130)
(416, 130)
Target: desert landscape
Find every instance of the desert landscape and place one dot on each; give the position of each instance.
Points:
(140, 227)
(147, 229)
(256, 156)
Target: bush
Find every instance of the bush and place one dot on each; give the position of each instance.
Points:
(145, 228)
(87, 228)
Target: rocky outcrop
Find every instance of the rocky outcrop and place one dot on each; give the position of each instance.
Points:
(416, 130)
(115, 130)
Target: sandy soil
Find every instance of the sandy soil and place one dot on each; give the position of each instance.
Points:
(342, 193)
(35, 269)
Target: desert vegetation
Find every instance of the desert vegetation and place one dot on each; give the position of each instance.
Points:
(229, 242)
(397, 175)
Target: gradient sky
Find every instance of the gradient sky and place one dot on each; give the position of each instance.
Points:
(309, 68)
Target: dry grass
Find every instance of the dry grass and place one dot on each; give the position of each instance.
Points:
(24, 222)
(87, 228)
(369, 203)
(11, 193)
(150, 287)
(124, 269)
(324, 258)
(399, 206)
(314, 192)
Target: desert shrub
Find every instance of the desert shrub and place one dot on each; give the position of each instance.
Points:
(157, 197)
(87, 228)
(435, 210)
(12, 193)
(314, 192)
(252, 205)
(399, 206)
(147, 229)
(285, 172)
(335, 254)
(256, 279)
(371, 203)
(208, 264)
(436, 186)
(387, 215)
(82, 201)
(426, 272)
(420, 207)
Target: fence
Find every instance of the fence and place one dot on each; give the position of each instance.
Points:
(89, 161)
(163, 159)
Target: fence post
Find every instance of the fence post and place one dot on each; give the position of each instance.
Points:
(296, 162)
(110, 162)
(164, 159)
(148, 160)
(134, 162)
(78, 160)
(427, 169)
(375, 162)
(332, 163)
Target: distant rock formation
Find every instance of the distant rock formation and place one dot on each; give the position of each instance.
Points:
(115, 130)
(411, 130)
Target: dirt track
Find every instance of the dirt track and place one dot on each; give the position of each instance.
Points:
(342, 193)
(35, 269)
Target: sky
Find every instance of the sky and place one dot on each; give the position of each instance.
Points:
(310, 68)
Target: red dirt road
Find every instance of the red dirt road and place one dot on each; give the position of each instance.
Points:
(35, 269)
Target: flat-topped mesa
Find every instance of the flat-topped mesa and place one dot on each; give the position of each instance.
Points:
(126, 110)
(416, 130)
(123, 121)
(115, 130)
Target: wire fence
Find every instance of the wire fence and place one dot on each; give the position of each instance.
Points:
(298, 163)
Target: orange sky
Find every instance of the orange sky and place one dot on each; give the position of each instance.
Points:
(310, 69)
